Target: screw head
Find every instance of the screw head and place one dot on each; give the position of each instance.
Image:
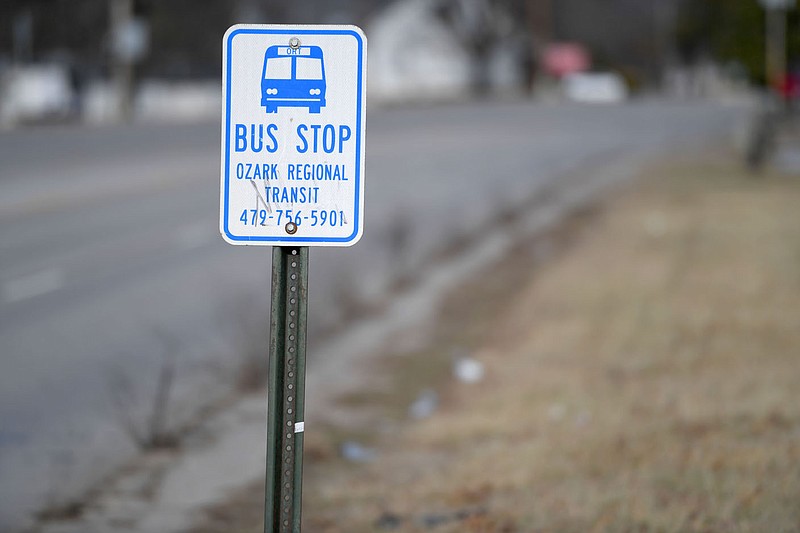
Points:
(294, 43)
(291, 228)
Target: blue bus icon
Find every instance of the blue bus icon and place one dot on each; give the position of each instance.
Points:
(293, 77)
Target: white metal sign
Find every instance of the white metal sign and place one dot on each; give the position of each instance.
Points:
(293, 127)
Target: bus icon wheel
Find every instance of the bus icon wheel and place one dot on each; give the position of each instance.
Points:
(314, 109)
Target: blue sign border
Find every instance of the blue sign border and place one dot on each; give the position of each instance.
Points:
(359, 105)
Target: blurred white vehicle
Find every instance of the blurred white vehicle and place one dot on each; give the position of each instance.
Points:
(35, 92)
(595, 87)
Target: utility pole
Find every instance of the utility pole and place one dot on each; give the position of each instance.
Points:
(775, 18)
(22, 37)
(776, 46)
(130, 38)
(121, 16)
(663, 23)
(775, 64)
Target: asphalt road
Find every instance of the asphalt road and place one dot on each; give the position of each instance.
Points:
(110, 258)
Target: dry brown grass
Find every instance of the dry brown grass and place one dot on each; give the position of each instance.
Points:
(647, 378)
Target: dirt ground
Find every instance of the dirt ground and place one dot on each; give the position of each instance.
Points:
(642, 373)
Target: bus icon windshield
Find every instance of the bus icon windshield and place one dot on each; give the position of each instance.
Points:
(293, 77)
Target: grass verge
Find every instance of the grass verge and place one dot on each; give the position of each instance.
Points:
(643, 378)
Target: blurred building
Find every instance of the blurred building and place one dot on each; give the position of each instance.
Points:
(439, 48)
(184, 34)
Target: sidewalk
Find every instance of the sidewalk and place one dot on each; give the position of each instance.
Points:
(641, 368)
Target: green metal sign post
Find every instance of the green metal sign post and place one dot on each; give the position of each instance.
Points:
(286, 396)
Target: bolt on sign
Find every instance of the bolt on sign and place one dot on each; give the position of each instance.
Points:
(293, 128)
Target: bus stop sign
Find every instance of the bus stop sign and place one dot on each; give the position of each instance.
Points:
(293, 127)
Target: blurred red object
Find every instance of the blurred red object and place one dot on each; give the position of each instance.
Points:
(561, 59)
(789, 86)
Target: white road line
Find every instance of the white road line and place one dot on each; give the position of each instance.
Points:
(36, 284)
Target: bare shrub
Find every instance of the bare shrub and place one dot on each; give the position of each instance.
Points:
(245, 322)
(59, 505)
(399, 236)
(64, 510)
(149, 429)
